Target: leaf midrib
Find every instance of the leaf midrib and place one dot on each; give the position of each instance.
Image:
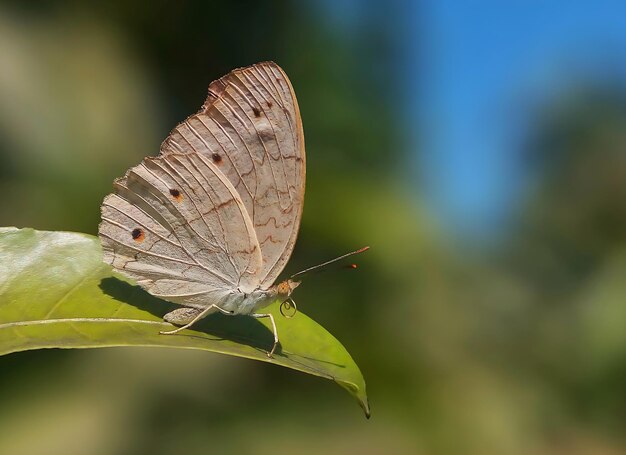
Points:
(70, 320)
(9, 325)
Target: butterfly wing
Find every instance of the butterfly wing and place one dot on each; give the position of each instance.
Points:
(250, 128)
(178, 226)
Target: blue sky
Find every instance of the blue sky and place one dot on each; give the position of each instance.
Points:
(470, 69)
(483, 61)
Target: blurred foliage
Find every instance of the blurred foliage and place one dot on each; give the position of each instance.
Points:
(521, 350)
(577, 212)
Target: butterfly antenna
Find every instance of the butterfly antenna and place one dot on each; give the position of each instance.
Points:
(324, 264)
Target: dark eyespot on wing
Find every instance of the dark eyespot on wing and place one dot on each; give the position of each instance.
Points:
(257, 111)
(176, 194)
(217, 158)
(138, 235)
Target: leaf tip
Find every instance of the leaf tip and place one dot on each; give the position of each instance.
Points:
(365, 404)
(358, 393)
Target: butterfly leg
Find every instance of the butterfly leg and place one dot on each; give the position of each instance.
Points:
(267, 315)
(189, 312)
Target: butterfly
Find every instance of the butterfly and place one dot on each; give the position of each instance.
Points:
(211, 222)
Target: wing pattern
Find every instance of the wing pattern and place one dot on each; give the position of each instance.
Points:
(250, 128)
(178, 226)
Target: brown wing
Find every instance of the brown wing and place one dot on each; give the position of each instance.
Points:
(250, 127)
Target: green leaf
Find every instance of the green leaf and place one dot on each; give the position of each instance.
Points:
(55, 292)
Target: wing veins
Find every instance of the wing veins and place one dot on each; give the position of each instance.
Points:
(217, 212)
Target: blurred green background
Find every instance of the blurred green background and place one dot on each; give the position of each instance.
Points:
(479, 148)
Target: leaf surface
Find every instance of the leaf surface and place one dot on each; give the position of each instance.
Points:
(55, 292)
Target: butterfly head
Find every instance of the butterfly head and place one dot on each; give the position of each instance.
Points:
(285, 288)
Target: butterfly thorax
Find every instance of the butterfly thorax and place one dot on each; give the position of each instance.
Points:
(240, 302)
